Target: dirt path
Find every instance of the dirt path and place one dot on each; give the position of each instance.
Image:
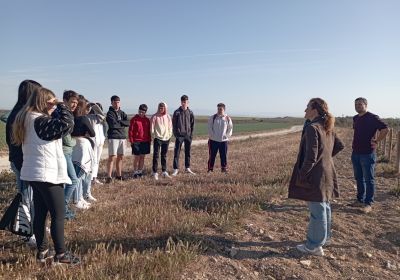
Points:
(5, 164)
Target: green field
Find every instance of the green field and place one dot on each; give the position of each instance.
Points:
(241, 125)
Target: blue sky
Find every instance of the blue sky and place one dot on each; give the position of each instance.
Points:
(265, 58)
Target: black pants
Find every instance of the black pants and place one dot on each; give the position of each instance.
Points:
(213, 148)
(48, 197)
(177, 151)
(157, 144)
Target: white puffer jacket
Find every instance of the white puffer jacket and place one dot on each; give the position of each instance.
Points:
(43, 161)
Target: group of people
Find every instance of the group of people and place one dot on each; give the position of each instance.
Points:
(161, 127)
(314, 178)
(55, 148)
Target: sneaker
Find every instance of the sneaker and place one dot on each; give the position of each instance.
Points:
(109, 180)
(316, 252)
(85, 202)
(31, 241)
(119, 178)
(155, 176)
(41, 257)
(140, 173)
(82, 205)
(136, 174)
(357, 203)
(223, 170)
(165, 174)
(210, 170)
(90, 198)
(188, 170)
(176, 171)
(97, 182)
(66, 258)
(366, 209)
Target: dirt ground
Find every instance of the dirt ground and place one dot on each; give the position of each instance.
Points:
(365, 246)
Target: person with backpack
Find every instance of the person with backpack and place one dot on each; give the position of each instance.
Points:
(220, 128)
(183, 127)
(44, 166)
(15, 155)
(140, 138)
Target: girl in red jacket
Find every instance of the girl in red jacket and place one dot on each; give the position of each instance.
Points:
(139, 136)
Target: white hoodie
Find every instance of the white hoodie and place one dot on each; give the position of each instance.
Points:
(220, 128)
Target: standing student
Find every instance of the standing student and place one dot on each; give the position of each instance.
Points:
(15, 155)
(140, 138)
(97, 119)
(314, 178)
(70, 99)
(161, 130)
(183, 127)
(82, 154)
(365, 125)
(117, 120)
(44, 166)
(220, 128)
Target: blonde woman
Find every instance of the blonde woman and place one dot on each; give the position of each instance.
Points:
(45, 168)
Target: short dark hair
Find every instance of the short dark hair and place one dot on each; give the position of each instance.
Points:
(143, 107)
(221, 105)
(362, 99)
(115, 98)
(184, 97)
(68, 94)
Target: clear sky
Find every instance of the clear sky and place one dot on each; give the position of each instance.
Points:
(263, 57)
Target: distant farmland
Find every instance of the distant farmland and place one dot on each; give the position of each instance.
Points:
(241, 125)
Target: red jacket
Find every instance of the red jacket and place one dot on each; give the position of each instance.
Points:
(139, 129)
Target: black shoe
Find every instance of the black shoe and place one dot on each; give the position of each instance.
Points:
(119, 178)
(66, 258)
(109, 180)
(41, 257)
(210, 170)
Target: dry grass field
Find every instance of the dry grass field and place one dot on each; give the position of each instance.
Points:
(221, 226)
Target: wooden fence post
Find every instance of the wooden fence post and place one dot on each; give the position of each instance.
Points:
(384, 147)
(398, 153)
(390, 144)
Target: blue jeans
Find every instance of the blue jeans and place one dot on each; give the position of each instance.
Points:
(84, 183)
(319, 228)
(364, 173)
(69, 189)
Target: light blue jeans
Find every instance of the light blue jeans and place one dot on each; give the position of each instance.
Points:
(319, 228)
(83, 185)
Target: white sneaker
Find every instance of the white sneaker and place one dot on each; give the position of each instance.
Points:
(85, 202)
(97, 182)
(316, 252)
(82, 205)
(155, 176)
(176, 171)
(165, 174)
(190, 171)
(91, 198)
(31, 242)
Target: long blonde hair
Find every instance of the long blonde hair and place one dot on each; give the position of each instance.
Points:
(37, 102)
(322, 108)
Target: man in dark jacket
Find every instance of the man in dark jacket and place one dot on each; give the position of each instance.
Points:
(183, 126)
(117, 120)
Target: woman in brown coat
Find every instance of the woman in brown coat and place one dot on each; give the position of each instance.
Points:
(314, 175)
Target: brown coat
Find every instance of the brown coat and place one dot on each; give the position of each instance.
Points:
(314, 175)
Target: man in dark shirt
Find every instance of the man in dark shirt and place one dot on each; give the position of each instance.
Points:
(365, 125)
(117, 120)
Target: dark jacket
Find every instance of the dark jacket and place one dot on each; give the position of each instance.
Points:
(183, 123)
(117, 121)
(15, 151)
(314, 175)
